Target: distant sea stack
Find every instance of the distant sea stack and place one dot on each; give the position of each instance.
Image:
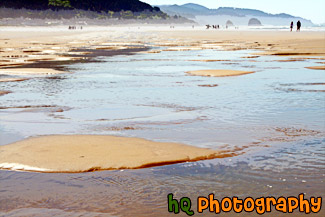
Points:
(229, 23)
(254, 22)
(238, 16)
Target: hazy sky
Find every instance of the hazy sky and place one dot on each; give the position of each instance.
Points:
(310, 9)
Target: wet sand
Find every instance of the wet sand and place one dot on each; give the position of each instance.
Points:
(12, 79)
(317, 67)
(267, 126)
(218, 73)
(24, 46)
(269, 42)
(29, 52)
(4, 92)
(29, 71)
(86, 153)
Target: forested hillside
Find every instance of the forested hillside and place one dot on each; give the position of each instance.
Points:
(92, 5)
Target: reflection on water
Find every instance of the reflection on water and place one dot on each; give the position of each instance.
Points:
(272, 119)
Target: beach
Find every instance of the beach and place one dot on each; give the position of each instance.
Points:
(123, 115)
(26, 45)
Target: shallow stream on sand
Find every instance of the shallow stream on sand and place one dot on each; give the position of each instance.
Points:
(273, 120)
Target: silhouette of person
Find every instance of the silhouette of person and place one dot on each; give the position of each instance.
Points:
(298, 26)
(291, 26)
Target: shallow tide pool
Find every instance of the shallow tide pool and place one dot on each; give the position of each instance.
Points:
(273, 121)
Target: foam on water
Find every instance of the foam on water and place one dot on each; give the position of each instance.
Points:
(21, 167)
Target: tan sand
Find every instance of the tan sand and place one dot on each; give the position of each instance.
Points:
(30, 71)
(12, 79)
(317, 67)
(269, 42)
(23, 45)
(83, 153)
(4, 92)
(218, 73)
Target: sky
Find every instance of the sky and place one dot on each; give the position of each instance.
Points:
(313, 10)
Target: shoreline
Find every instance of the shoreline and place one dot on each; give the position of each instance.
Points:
(19, 51)
(53, 48)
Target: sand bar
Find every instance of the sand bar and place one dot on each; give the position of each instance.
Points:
(84, 153)
(12, 79)
(317, 67)
(4, 92)
(218, 73)
(30, 71)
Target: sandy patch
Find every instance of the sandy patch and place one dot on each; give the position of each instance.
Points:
(289, 60)
(219, 73)
(183, 48)
(4, 92)
(84, 153)
(12, 79)
(317, 67)
(153, 51)
(30, 71)
(39, 108)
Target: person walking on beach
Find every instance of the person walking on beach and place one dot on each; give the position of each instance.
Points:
(291, 26)
(298, 26)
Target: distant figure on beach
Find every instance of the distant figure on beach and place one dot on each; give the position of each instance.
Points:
(208, 26)
(298, 26)
(291, 26)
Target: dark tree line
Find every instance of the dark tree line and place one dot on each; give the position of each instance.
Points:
(92, 5)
